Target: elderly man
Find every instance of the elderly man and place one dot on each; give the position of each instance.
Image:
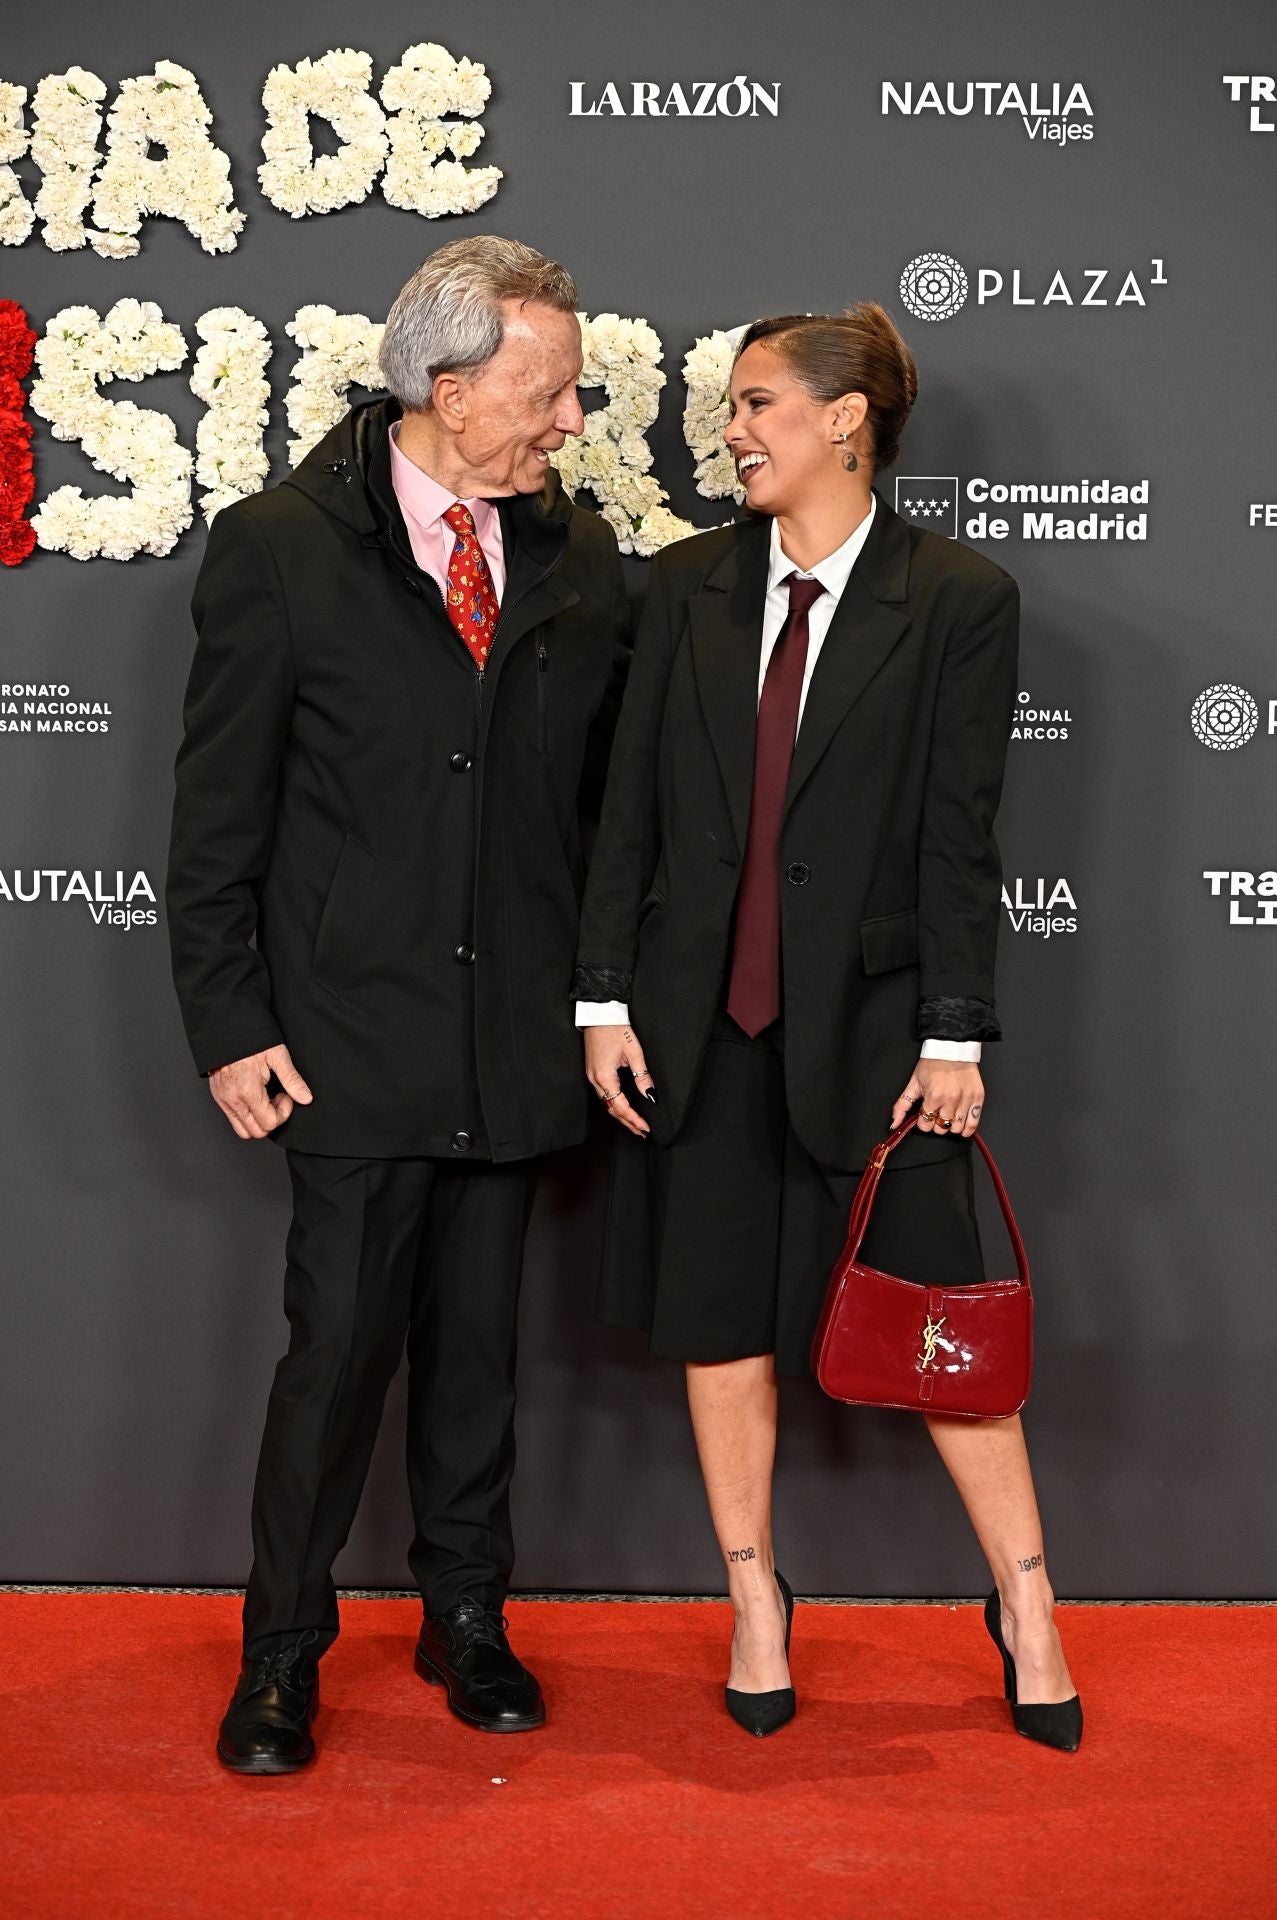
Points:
(407, 669)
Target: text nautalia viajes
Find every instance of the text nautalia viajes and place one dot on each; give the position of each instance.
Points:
(109, 899)
(1046, 109)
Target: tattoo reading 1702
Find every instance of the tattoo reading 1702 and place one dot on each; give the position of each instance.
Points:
(740, 1553)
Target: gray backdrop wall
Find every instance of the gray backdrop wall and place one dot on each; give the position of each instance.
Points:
(1130, 1103)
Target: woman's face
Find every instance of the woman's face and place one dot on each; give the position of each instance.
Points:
(784, 443)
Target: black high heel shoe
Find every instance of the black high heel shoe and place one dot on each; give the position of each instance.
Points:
(763, 1713)
(1057, 1724)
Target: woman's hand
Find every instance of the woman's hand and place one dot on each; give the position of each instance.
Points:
(607, 1050)
(950, 1091)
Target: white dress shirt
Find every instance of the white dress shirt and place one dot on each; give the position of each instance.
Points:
(833, 573)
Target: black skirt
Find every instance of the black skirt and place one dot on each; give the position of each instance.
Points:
(719, 1244)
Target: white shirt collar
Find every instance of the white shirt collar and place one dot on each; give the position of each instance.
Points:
(834, 570)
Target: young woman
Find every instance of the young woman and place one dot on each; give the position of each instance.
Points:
(788, 940)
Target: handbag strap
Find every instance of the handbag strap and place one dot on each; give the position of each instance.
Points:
(862, 1204)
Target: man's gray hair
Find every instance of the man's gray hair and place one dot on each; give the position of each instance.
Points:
(448, 317)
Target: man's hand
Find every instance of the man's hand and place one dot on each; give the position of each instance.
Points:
(607, 1050)
(240, 1091)
(950, 1090)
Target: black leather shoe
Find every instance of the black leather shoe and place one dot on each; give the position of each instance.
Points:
(764, 1713)
(1052, 1724)
(267, 1725)
(466, 1651)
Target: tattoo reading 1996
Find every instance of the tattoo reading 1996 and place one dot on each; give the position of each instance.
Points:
(740, 1553)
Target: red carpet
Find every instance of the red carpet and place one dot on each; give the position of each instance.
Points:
(900, 1789)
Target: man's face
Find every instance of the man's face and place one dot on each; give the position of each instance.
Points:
(523, 405)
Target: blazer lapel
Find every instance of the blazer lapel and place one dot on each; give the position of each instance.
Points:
(726, 619)
(871, 615)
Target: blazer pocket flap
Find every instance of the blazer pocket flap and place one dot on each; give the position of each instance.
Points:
(337, 942)
(890, 941)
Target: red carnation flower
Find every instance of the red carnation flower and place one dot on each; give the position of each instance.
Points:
(17, 481)
(17, 537)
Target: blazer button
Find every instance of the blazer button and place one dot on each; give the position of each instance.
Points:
(798, 874)
(461, 763)
(463, 955)
(462, 1141)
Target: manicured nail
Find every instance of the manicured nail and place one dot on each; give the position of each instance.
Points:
(651, 1095)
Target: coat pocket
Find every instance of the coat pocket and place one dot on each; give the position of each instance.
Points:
(889, 941)
(340, 937)
(649, 904)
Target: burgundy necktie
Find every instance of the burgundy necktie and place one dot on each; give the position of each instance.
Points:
(753, 994)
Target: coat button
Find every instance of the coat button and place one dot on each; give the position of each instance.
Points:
(461, 763)
(462, 1141)
(463, 955)
(798, 874)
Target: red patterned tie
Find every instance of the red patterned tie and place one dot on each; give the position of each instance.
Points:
(753, 995)
(472, 600)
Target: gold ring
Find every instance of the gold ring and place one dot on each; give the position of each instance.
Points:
(924, 1115)
(608, 1098)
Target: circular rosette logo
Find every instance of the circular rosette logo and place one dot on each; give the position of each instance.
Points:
(934, 286)
(1224, 717)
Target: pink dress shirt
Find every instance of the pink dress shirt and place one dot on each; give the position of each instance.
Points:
(423, 503)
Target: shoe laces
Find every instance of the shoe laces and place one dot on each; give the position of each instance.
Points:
(277, 1669)
(482, 1626)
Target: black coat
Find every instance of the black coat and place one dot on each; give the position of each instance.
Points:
(376, 855)
(890, 875)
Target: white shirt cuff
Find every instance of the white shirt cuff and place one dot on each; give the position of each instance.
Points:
(616, 1013)
(602, 1013)
(951, 1050)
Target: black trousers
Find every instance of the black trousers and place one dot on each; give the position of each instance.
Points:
(381, 1252)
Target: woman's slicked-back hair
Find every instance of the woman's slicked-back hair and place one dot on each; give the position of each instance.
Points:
(448, 317)
(858, 351)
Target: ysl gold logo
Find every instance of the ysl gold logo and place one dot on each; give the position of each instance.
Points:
(930, 1333)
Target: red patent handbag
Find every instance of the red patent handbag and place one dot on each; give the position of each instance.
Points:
(887, 1342)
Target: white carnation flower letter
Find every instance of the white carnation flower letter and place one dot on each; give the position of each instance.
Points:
(612, 458)
(335, 89)
(192, 183)
(339, 351)
(67, 123)
(229, 375)
(79, 352)
(420, 93)
(17, 216)
(708, 371)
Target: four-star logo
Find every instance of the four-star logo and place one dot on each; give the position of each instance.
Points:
(929, 500)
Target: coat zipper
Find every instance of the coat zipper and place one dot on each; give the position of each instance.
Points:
(543, 662)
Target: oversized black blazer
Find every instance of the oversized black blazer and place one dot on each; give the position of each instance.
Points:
(374, 858)
(890, 875)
